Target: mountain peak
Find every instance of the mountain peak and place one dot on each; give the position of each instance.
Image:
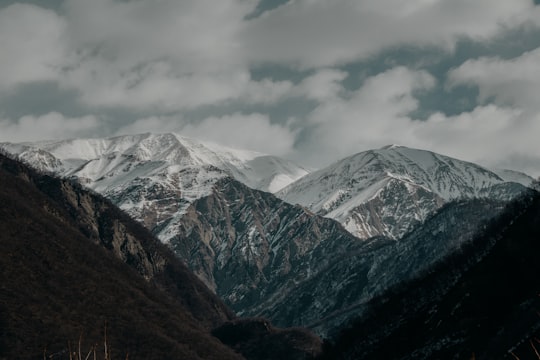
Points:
(101, 160)
(390, 146)
(145, 172)
(386, 191)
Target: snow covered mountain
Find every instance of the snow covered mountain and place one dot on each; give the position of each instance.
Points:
(390, 190)
(294, 264)
(155, 177)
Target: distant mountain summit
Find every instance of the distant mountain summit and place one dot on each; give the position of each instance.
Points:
(103, 163)
(388, 191)
(155, 177)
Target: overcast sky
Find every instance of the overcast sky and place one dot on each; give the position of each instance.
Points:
(309, 80)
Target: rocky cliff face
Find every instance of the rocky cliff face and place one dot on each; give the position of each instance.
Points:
(252, 248)
(105, 225)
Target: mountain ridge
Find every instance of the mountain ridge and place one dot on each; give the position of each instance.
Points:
(154, 177)
(418, 182)
(293, 263)
(66, 274)
(86, 265)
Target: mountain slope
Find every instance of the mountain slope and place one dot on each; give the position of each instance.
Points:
(481, 302)
(348, 281)
(72, 263)
(59, 281)
(390, 190)
(265, 257)
(252, 248)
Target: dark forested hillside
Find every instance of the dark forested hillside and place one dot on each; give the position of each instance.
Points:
(58, 282)
(73, 265)
(480, 302)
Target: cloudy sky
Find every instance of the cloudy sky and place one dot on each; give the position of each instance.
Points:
(310, 80)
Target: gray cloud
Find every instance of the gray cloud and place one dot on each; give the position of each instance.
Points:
(31, 39)
(49, 126)
(310, 33)
(313, 80)
(512, 82)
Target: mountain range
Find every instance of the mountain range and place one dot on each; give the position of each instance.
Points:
(77, 269)
(155, 178)
(270, 238)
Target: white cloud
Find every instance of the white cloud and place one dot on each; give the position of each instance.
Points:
(49, 126)
(513, 85)
(311, 33)
(492, 135)
(172, 55)
(484, 134)
(379, 114)
(196, 35)
(241, 131)
(166, 56)
(140, 55)
(374, 115)
(514, 81)
(163, 57)
(31, 44)
(252, 132)
(324, 85)
(160, 87)
(152, 124)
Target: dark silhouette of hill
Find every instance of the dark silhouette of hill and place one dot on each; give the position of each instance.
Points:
(481, 302)
(256, 338)
(73, 265)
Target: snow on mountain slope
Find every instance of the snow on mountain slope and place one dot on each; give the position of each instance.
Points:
(514, 176)
(389, 190)
(155, 177)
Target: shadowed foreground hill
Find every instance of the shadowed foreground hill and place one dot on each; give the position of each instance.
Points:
(481, 302)
(59, 281)
(71, 262)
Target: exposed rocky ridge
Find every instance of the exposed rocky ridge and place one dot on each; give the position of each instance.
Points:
(253, 248)
(390, 190)
(99, 220)
(265, 257)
